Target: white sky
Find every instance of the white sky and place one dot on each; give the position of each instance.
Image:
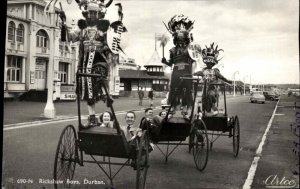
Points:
(259, 38)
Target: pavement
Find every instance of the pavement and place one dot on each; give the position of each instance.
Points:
(278, 166)
(25, 112)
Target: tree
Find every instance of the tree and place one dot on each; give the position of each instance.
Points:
(164, 39)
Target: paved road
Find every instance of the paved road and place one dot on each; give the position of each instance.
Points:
(28, 153)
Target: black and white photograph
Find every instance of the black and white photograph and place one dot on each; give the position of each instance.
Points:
(151, 94)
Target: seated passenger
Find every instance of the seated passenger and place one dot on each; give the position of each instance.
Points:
(129, 130)
(106, 119)
(131, 133)
(149, 114)
(162, 114)
(150, 122)
(148, 119)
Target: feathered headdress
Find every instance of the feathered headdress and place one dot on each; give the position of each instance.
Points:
(96, 5)
(179, 22)
(210, 54)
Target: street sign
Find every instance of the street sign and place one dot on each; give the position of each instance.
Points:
(67, 96)
(117, 84)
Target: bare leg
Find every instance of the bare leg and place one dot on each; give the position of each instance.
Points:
(91, 109)
(92, 120)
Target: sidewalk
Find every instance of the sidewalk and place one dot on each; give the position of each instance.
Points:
(24, 111)
(279, 161)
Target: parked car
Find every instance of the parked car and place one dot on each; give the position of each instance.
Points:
(257, 96)
(270, 95)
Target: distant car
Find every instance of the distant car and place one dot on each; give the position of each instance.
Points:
(271, 95)
(258, 97)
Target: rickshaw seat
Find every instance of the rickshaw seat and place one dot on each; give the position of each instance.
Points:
(174, 129)
(104, 141)
(216, 123)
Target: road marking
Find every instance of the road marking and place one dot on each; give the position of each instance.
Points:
(39, 123)
(279, 114)
(258, 153)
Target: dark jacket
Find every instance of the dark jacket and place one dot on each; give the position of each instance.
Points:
(141, 94)
(150, 94)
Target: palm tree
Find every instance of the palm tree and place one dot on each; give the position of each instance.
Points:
(164, 39)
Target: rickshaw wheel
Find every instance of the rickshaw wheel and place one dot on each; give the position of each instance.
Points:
(200, 143)
(236, 136)
(66, 157)
(142, 161)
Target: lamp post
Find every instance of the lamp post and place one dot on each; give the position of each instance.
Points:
(49, 111)
(244, 84)
(236, 72)
(250, 87)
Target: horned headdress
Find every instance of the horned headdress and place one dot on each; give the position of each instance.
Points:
(98, 6)
(210, 54)
(91, 4)
(180, 26)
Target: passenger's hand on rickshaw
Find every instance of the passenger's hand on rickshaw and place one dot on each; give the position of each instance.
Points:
(199, 115)
(138, 132)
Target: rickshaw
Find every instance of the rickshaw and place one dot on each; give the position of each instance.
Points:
(220, 124)
(96, 142)
(174, 132)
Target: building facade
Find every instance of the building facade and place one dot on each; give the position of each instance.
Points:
(32, 43)
(127, 64)
(153, 77)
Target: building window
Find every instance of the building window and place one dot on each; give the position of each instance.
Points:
(63, 72)
(41, 39)
(11, 31)
(155, 81)
(14, 68)
(40, 69)
(66, 48)
(20, 33)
